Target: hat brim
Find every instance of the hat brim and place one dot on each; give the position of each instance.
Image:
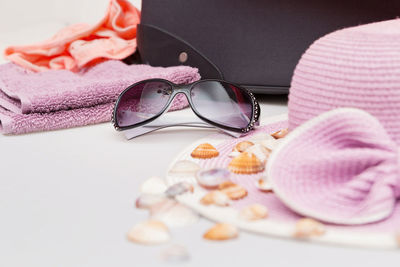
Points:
(320, 172)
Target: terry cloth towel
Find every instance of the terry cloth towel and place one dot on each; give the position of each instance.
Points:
(56, 99)
(113, 37)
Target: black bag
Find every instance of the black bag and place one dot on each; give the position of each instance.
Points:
(254, 43)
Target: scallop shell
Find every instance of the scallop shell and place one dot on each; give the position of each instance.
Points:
(211, 178)
(150, 232)
(253, 212)
(184, 168)
(263, 185)
(246, 163)
(205, 151)
(260, 152)
(233, 191)
(179, 189)
(280, 134)
(216, 198)
(153, 185)
(242, 146)
(221, 231)
(308, 227)
(175, 254)
(173, 214)
(146, 201)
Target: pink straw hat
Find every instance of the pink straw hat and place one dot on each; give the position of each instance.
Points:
(356, 67)
(339, 164)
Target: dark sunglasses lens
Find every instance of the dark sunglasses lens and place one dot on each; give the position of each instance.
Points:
(222, 103)
(142, 102)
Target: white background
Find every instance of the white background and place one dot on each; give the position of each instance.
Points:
(66, 197)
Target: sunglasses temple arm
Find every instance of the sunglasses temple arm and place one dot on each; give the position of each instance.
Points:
(166, 121)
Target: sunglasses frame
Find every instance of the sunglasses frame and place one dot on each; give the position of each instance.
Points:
(186, 90)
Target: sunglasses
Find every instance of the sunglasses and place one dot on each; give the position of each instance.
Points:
(217, 103)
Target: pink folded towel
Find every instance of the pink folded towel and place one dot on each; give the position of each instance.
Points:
(113, 37)
(31, 101)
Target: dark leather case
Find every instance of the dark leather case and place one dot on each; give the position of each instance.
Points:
(254, 43)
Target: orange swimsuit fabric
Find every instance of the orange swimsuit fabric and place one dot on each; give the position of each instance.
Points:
(73, 47)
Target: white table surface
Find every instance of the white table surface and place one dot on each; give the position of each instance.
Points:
(67, 197)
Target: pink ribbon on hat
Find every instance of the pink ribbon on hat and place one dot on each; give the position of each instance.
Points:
(340, 167)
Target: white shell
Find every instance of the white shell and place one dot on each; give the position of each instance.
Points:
(146, 201)
(271, 144)
(259, 137)
(263, 184)
(149, 233)
(260, 152)
(153, 185)
(253, 212)
(173, 214)
(179, 189)
(307, 227)
(216, 197)
(211, 178)
(184, 168)
(221, 199)
(175, 254)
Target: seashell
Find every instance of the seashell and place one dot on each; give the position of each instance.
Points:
(146, 201)
(205, 151)
(149, 233)
(216, 198)
(242, 146)
(211, 178)
(259, 137)
(233, 191)
(225, 185)
(263, 185)
(253, 212)
(308, 227)
(184, 168)
(234, 154)
(175, 254)
(179, 189)
(270, 144)
(280, 134)
(221, 231)
(246, 163)
(173, 214)
(398, 239)
(153, 185)
(260, 152)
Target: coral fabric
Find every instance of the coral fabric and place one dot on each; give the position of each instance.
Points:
(56, 99)
(113, 37)
(355, 67)
(340, 167)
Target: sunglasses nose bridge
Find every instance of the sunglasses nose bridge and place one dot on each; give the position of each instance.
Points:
(181, 89)
(178, 92)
